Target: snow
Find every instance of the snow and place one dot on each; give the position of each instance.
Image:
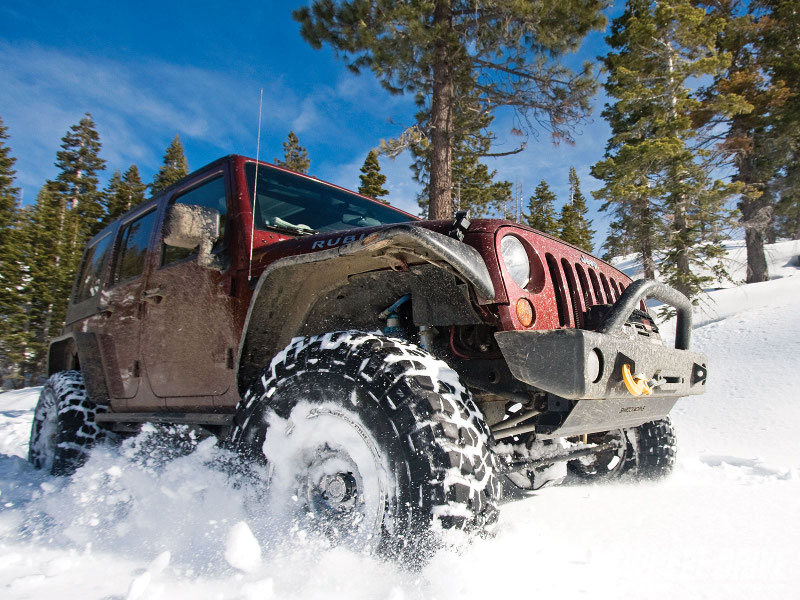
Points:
(147, 521)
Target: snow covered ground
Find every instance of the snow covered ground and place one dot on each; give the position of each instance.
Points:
(139, 524)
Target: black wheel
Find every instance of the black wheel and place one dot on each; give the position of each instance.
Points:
(63, 429)
(371, 442)
(606, 464)
(645, 452)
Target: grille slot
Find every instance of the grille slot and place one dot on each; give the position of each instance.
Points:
(577, 314)
(558, 289)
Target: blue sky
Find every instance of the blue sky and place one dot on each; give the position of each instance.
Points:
(149, 70)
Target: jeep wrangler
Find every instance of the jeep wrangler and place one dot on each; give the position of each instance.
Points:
(383, 378)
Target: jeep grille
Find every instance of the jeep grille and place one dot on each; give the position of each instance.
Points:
(578, 287)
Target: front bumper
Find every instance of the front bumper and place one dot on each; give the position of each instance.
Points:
(587, 365)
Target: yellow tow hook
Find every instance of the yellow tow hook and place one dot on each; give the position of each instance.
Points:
(637, 386)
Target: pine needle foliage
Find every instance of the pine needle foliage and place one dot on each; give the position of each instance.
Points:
(174, 168)
(295, 156)
(502, 54)
(372, 180)
(124, 192)
(541, 209)
(658, 180)
(573, 226)
(11, 307)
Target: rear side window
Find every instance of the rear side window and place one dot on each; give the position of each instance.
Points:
(94, 262)
(210, 194)
(133, 241)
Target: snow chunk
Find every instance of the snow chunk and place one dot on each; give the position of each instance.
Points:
(241, 549)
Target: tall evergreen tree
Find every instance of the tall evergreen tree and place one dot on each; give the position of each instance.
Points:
(11, 307)
(749, 137)
(617, 242)
(372, 180)
(541, 211)
(8, 193)
(50, 257)
(174, 168)
(67, 212)
(295, 157)
(474, 186)
(124, 192)
(779, 51)
(573, 226)
(656, 179)
(500, 53)
(79, 163)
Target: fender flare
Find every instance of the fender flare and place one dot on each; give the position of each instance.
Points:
(86, 347)
(295, 281)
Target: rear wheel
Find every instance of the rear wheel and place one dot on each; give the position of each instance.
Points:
(63, 429)
(371, 442)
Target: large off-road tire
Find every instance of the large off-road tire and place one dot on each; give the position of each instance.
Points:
(646, 452)
(64, 429)
(371, 442)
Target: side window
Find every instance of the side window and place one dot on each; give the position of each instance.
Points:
(132, 254)
(210, 194)
(94, 261)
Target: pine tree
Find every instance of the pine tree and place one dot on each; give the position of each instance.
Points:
(295, 157)
(779, 51)
(749, 137)
(573, 227)
(174, 168)
(474, 187)
(617, 242)
(11, 310)
(68, 211)
(541, 212)
(372, 179)
(79, 163)
(657, 181)
(497, 54)
(50, 259)
(124, 192)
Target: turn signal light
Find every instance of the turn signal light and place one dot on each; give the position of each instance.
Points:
(525, 312)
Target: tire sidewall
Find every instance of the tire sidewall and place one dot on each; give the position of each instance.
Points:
(323, 389)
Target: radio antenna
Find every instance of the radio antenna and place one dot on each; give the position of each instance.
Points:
(255, 187)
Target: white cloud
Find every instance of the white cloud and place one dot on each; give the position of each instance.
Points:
(138, 107)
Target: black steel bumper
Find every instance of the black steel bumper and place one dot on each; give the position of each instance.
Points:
(587, 365)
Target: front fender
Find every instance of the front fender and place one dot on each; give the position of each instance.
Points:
(289, 288)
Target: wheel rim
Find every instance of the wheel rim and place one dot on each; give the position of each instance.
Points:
(328, 475)
(606, 462)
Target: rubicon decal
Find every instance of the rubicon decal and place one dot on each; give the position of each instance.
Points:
(337, 241)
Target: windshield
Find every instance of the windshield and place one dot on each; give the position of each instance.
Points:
(301, 206)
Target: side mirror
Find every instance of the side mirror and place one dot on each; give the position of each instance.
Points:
(190, 226)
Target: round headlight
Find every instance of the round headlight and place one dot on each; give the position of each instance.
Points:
(516, 259)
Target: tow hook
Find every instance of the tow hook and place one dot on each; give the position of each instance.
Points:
(636, 384)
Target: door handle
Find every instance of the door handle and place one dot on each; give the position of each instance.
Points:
(153, 296)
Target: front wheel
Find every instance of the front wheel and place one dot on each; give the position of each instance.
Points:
(370, 442)
(645, 452)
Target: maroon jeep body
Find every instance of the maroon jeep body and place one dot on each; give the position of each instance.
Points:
(194, 309)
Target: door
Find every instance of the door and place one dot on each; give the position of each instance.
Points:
(189, 340)
(121, 303)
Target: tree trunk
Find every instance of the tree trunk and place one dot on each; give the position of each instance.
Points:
(441, 174)
(755, 218)
(682, 260)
